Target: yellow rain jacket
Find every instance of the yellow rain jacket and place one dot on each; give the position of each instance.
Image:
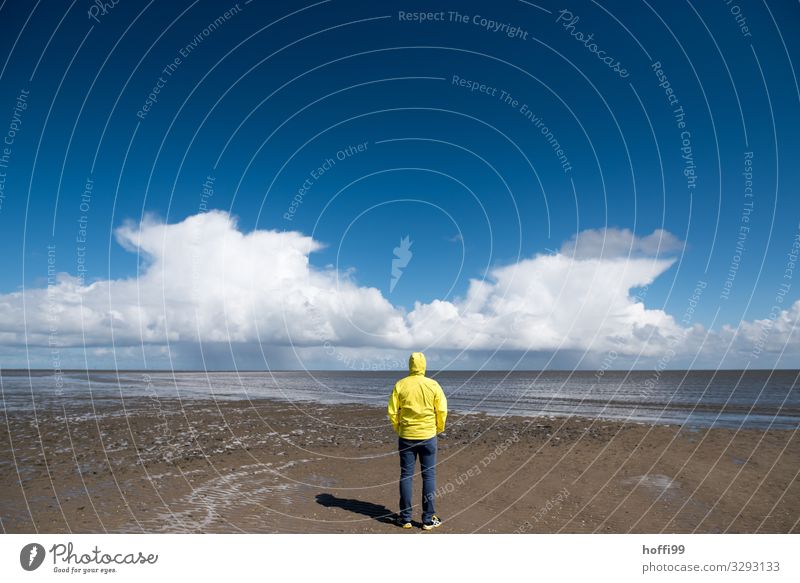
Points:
(417, 407)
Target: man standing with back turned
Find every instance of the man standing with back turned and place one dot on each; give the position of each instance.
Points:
(417, 410)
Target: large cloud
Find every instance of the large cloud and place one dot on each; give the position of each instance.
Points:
(545, 303)
(204, 281)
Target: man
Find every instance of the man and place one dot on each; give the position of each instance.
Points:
(417, 410)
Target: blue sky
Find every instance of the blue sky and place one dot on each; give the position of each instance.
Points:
(260, 103)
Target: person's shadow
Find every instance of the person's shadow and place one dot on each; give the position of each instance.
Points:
(375, 511)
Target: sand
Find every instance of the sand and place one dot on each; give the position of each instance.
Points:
(269, 466)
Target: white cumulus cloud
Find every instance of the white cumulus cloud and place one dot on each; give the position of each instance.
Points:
(203, 280)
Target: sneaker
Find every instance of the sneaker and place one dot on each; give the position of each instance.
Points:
(434, 523)
(402, 523)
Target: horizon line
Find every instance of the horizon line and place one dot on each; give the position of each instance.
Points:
(249, 370)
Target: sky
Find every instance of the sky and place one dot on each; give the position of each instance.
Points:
(324, 185)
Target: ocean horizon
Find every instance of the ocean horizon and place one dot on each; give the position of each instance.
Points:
(754, 399)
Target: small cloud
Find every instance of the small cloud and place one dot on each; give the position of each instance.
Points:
(615, 243)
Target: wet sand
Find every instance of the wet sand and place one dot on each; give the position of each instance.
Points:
(268, 466)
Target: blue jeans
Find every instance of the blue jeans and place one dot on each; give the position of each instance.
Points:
(410, 450)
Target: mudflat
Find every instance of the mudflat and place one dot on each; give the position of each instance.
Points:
(150, 465)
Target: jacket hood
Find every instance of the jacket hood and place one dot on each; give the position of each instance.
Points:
(416, 363)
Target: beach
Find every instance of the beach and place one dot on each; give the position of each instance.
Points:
(267, 466)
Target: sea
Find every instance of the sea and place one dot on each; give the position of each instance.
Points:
(761, 399)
